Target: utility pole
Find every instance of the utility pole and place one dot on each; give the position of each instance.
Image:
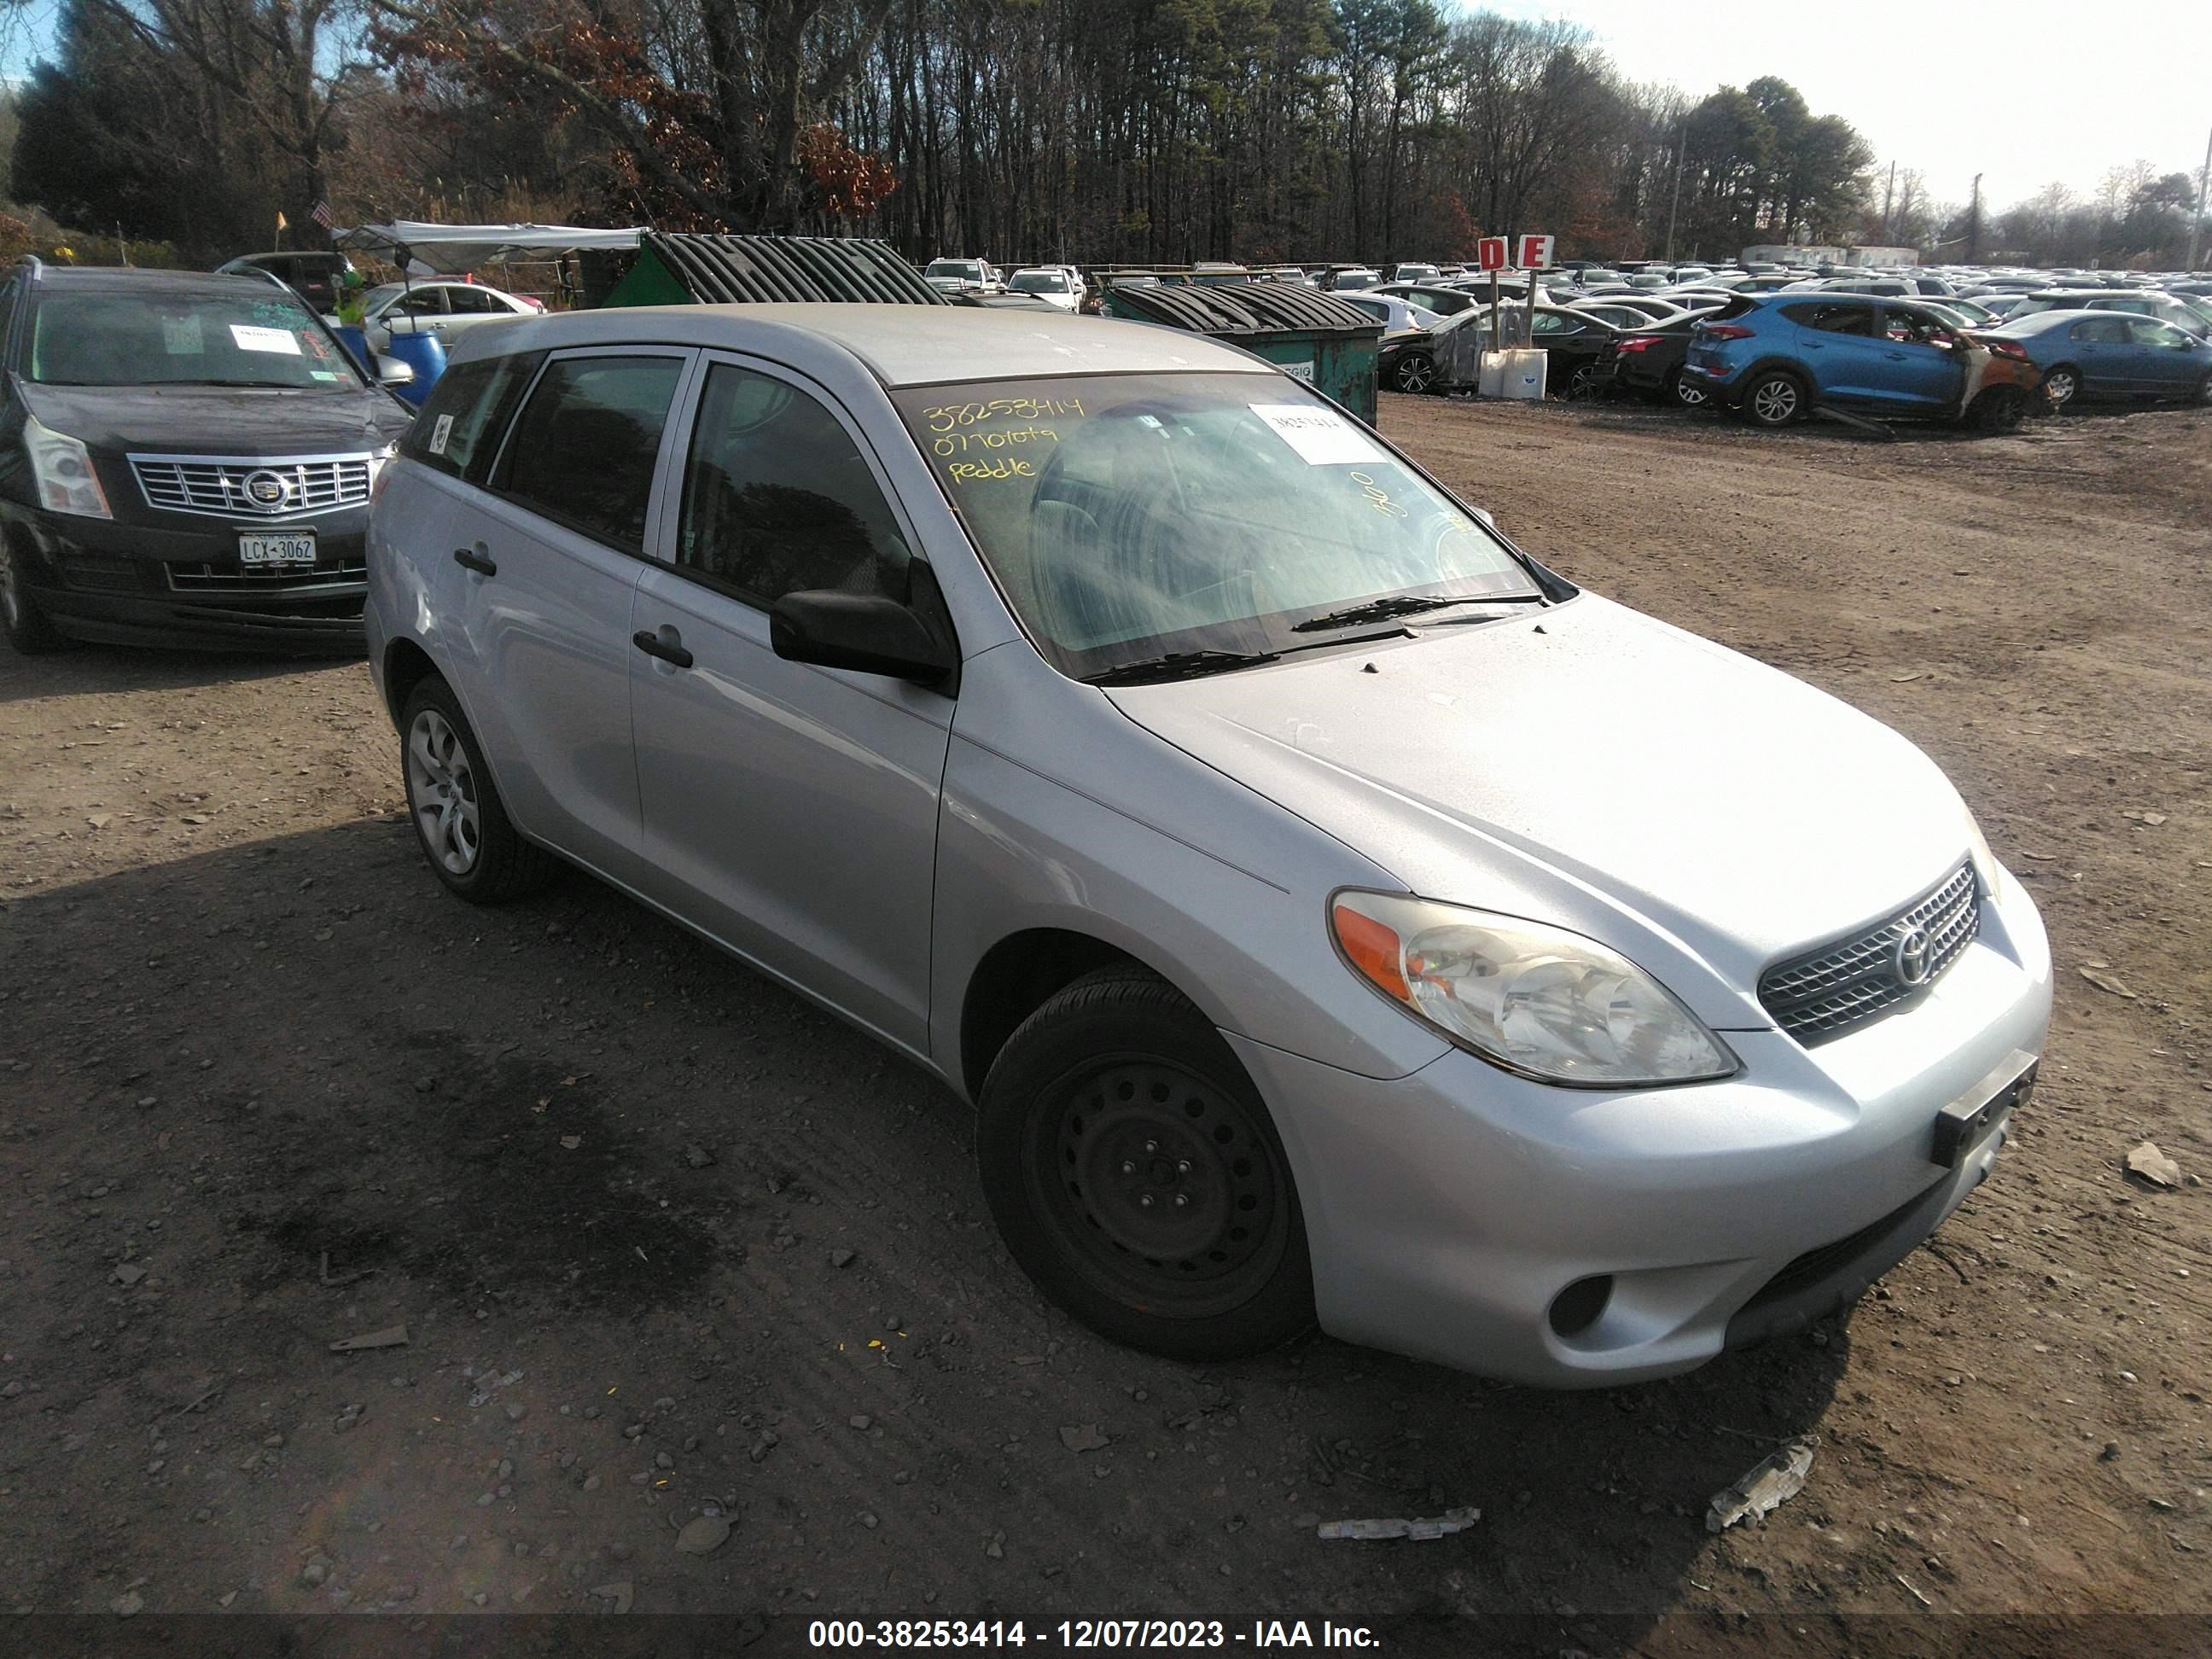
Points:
(2197, 219)
(1675, 212)
(1974, 224)
(1889, 196)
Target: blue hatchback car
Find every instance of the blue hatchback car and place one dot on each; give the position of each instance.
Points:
(1775, 357)
(2091, 355)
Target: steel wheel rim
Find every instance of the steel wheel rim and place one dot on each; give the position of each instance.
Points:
(441, 793)
(1413, 375)
(1115, 1132)
(1775, 402)
(2060, 386)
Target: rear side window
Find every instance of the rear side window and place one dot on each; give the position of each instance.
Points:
(2100, 331)
(458, 430)
(583, 448)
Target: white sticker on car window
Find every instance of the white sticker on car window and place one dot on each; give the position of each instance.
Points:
(1320, 436)
(180, 336)
(281, 341)
(439, 432)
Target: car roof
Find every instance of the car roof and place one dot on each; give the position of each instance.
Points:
(207, 283)
(899, 344)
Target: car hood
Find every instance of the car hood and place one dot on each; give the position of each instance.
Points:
(217, 420)
(1594, 769)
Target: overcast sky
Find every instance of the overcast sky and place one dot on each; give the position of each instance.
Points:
(2023, 92)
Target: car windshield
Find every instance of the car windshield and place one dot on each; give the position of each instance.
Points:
(154, 339)
(1040, 281)
(1130, 517)
(965, 268)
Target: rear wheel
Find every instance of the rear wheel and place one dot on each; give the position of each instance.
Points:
(2063, 384)
(458, 818)
(1136, 1176)
(1773, 399)
(1416, 372)
(26, 625)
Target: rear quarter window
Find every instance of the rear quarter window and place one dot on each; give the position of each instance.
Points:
(459, 428)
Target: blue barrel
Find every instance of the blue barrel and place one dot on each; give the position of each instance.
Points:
(425, 354)
(355, 340)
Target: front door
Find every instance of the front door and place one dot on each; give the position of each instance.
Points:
(1922, 357)
(789, 811)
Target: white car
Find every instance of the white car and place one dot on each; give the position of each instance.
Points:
(1048, 283)
(445, 309)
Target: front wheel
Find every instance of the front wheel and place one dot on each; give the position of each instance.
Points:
(1415, 373)
(1136, 1176)
(2204, 390)
(1684, 392)
(26, 625)
(1774, 399)
(459, 820)
(1998, 410)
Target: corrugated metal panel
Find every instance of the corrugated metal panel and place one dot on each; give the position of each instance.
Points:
(728, 269)
(1247, 308)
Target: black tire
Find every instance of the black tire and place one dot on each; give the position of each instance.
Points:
(1585, 380)
(1998, 410)
(459, 823)
(2204, 391)
(1681, 393)
(1416, 373)
(1774, 398)
(2061, 385)
(1114, 1100)
(25, 624)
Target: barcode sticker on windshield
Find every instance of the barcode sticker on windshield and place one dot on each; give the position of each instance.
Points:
(281, 341)
(1321, 436)
(439, 432)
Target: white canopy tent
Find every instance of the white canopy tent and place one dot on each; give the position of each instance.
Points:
(422, 249)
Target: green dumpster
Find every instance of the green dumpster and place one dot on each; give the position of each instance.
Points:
(1317, 336)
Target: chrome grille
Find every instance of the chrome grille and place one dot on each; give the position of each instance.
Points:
(1825, 991)
(211, 577)
(251, 486)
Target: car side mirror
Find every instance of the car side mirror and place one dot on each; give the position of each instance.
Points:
(391, 371)
(863, 632)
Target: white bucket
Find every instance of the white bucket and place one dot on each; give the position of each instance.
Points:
(1520, 371)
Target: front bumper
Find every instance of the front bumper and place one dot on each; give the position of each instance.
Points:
(122, 583)
(1447, 1211)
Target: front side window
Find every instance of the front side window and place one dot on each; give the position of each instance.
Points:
(262, 336)
(1130, 516)
(778, 498)
(583, 450)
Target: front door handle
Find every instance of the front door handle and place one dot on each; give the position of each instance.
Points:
(469, 559)
(668, 651)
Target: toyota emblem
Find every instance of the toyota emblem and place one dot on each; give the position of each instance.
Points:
(1910, 957)
(267, 490)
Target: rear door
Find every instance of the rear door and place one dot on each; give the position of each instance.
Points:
(789, 811)
(553, 554)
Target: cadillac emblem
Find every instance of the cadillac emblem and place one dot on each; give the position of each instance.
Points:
(266, 490)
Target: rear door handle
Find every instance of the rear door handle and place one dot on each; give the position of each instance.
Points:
(668, 651)
(479, 563)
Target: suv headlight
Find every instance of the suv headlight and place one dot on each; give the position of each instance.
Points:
(62, 467)
(1538, 1000)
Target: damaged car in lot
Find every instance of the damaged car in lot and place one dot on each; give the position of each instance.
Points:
(1331, 912)
(185, 460)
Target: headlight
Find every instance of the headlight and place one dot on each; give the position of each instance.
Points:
(62, 468)
(1532, 998)
(1985, 861)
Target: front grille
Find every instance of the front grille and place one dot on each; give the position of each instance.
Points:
(1827, 991)
(209, 578)
(257, 487)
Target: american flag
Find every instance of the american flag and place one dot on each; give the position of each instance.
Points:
(320, 213)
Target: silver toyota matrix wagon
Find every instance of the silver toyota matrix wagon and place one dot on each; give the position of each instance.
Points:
(1333, 913)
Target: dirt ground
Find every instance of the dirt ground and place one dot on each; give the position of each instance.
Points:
(665, 1240)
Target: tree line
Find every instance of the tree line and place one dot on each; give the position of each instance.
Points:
(1089, 130)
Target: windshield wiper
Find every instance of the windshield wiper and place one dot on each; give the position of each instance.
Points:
(1399, 604)
(1177, 665)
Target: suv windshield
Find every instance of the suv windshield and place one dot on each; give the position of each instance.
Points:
(1040, 281)
(966, 269)
(148, 338)
(1128, 517)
